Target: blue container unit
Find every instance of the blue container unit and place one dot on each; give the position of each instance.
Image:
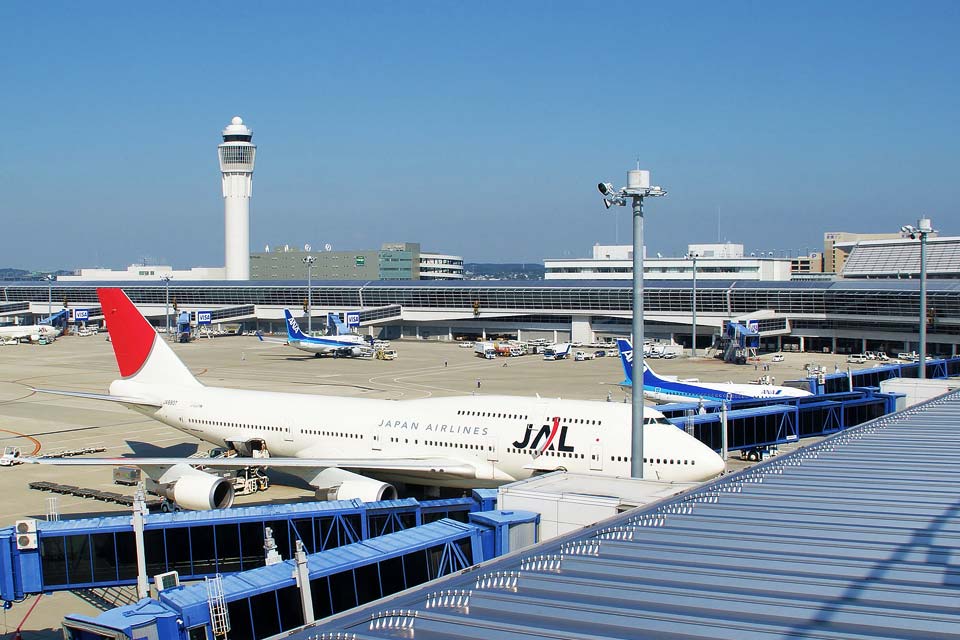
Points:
(513, 530)
(266, 601)
(100, 552)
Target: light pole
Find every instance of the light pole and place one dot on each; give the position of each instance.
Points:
(50, 278)
(638, 187)
(166, 282)
(922, 230)
(309, 260)
(693, 345)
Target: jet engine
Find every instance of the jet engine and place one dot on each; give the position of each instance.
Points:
(337, 484)
(346, 352)
(194, 489)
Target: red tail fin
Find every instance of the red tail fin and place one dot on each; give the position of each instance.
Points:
(141, 353)
(130, 334)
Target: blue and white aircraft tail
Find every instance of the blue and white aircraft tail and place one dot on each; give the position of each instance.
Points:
(666, 390)
(345, 346)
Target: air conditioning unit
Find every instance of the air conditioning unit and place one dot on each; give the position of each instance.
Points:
(167, 580)
(26, 531)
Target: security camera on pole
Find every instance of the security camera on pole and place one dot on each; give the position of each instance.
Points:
(638, 187)
(922, 230)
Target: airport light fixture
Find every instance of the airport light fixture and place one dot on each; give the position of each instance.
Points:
(638, 187)
(49, 278)
(309, 260)
(166, 282)
(693, 306)
(921, 231)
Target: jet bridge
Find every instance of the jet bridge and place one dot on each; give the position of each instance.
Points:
(269, 600)
(755, 423)
(45, 556)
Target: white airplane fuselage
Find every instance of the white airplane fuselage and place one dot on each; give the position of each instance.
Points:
(506, 438)
(32, 331)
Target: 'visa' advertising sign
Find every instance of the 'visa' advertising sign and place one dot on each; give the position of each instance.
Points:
(204, 317)
(353, 319)
(81, 315)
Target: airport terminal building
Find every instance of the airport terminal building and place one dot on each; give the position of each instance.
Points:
(844, 316)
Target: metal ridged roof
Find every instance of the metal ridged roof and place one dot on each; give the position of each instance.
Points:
(854, 537)
(947, 285)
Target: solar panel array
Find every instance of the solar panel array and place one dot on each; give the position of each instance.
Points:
(892, 260)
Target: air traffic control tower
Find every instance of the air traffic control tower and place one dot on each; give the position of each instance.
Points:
(237, 155)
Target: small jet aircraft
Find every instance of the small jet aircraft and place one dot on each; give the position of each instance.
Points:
(663, 389)
(344, 346)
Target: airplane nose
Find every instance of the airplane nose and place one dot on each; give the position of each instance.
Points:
(714, 465)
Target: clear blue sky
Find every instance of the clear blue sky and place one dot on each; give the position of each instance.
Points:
(474, 128)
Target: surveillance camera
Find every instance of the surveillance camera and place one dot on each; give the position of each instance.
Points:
(605, 188)
(607, 203)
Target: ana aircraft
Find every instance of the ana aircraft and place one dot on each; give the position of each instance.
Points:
(32, 331)
(356, 447)
(345, 345)
(665, 390)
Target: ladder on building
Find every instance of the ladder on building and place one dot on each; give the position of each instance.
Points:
(219, 619)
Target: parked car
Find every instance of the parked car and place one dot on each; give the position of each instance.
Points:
(600, 353)
(777, 357)
(856, 358)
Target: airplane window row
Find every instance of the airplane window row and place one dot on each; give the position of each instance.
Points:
(439, 443)
(490, 414)
(551, 454)
(219, 423)
(335, 434)
(580, 421)
(652, 460)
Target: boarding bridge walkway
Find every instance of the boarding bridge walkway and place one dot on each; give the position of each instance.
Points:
(46, 556)
(269, 600)
(757, 424)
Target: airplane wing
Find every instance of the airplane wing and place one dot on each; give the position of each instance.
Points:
(100, 396)
(427, 465)
(271, 340)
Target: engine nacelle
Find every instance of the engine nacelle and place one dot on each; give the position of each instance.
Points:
(194, 489)
(338, 484)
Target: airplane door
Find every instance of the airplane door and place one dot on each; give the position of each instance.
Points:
(492, 454)
(596, 457)
(288, 432)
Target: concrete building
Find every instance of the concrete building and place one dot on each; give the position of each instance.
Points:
(802, 265)
(142, 272)
(394, 261)
(237, 155)
(840, 316)
(715, 262)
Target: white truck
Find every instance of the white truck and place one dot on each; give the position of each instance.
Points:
(485, 350)
(10, 457)
(557, 351)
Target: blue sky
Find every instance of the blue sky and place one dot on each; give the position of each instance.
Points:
(479, 129)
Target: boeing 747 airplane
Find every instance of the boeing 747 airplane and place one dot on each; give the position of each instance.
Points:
(663, 389)
(356, 447)
(32, 331)
(346, 345)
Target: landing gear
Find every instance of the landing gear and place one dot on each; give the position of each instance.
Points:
(316, 355)
(753, 455)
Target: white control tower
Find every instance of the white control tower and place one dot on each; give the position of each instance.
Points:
(237, 155)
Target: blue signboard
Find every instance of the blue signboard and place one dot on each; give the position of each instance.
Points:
(204, 317)
(353, 319)
(81, 315)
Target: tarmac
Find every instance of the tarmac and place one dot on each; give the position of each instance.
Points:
(41, 423)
